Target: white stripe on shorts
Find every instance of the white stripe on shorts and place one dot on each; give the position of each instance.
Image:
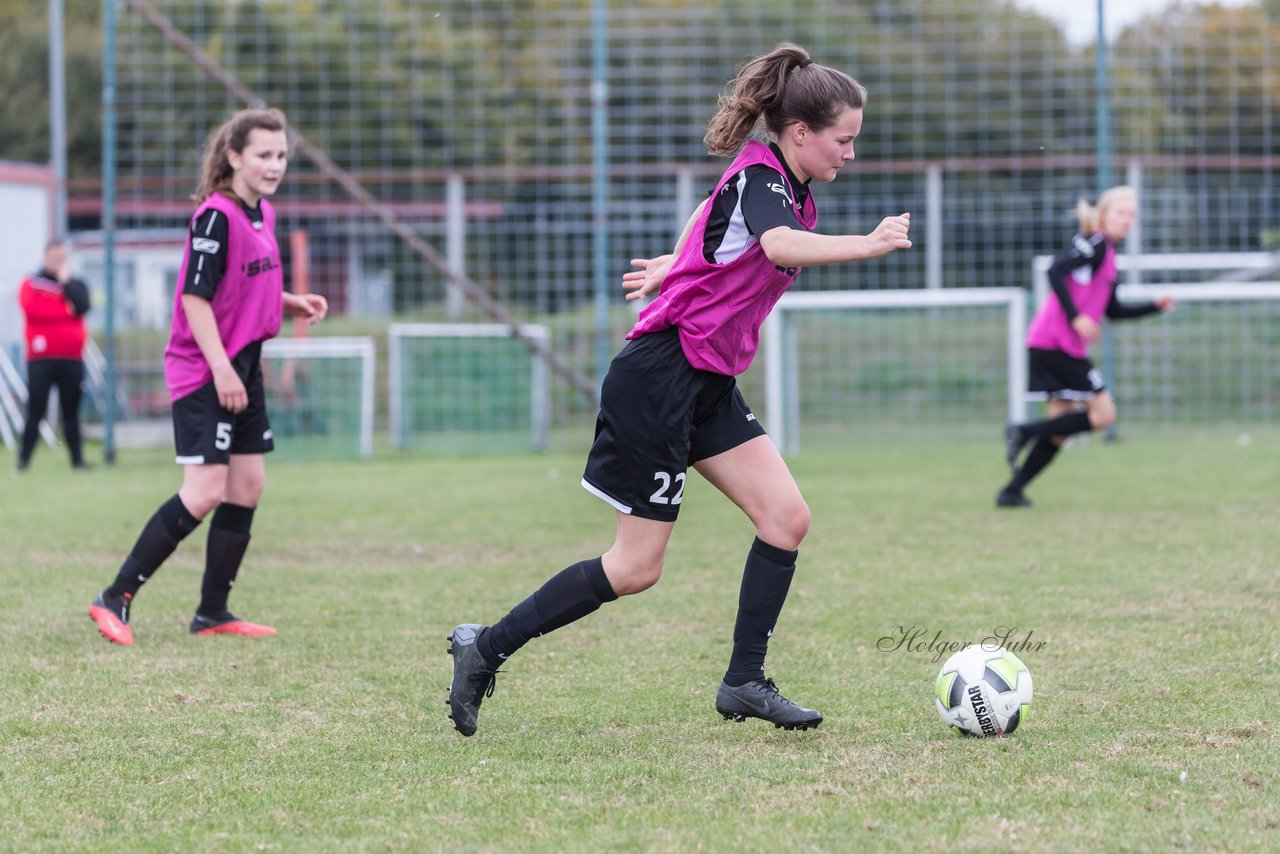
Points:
(1060, 394)
(608, 499)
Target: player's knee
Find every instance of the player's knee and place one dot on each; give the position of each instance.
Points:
(246, 491)
(628, 576)
(786, 527)
(201, 500)
(1102, 417)
(644, 575)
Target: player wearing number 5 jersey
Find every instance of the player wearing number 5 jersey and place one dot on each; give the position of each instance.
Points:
(670, 400)
(230, 299)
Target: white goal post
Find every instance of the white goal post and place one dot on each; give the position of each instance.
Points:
(1135, 263)
(1202, 291)
(466, 384)
(781, 363)
(317, 350)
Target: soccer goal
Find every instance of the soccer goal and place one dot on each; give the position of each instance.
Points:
(1214, 360)
(320, 396)
(845, 365)
(467, 388)
(1182, 266)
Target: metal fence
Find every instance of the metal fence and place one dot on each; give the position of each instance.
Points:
(471, 120)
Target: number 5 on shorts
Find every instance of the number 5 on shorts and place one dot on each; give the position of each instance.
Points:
(222, 439)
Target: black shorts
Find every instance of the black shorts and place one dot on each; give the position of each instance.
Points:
(659, 415)
(205, 433)
(1053, 375)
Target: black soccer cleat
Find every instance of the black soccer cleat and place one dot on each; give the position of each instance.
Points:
(1015, 439)
(760, 699)
(1012, 498)
(473, 678)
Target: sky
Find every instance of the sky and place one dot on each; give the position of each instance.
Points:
(1080, 16)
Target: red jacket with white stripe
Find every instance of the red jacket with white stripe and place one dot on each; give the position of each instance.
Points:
(55, 327)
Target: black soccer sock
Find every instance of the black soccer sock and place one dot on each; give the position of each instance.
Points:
(167, 527)
(228, 539)
(765, 582)
(570, 595)
(1063, 425)
(1040, 455)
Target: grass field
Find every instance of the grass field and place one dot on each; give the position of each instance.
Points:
(1147, 572)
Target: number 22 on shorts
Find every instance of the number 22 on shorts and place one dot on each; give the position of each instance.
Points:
(665, 482)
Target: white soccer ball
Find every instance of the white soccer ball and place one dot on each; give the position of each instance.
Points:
(983, 691)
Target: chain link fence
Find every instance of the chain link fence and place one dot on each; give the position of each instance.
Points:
(470, 123)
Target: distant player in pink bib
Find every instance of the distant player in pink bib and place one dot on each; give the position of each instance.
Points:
(670, 400)
(1083, 279)
(230, 299)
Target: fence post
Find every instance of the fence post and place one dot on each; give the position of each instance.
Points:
(684, 198)
(455, 240)
(933, 227)
(1133, 243)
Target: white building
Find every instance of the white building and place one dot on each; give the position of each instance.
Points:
(26, 222)
(147, 264)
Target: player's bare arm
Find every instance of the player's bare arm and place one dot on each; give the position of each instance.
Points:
(653, 271)
(789, 247)
(204, 328)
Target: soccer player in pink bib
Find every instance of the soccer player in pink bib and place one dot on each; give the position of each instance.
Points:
(230, 298)
(1083, 278)
(670, 401)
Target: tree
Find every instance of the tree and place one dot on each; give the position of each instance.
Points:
(1202, 81)
(24, 83)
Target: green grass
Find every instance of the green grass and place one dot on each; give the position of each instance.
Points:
(1147, 570)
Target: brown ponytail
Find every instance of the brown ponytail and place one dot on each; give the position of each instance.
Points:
(215, 171)
(784, 86)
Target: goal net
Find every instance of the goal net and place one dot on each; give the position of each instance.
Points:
(855, 365)
(467, 388)
(1214, 360)
(320, 394)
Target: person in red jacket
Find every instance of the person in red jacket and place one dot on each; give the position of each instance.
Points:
(54, 306)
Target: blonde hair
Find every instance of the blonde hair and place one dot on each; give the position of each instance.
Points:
(783, 87)
(1090, 216)
(215, 170)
